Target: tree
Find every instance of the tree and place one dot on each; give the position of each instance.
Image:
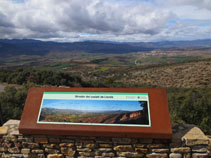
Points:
(12, 102)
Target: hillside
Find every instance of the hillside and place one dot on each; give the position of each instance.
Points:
(184, 75)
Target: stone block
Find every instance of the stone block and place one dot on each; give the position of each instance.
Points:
(105, 145)
(18, 145)
(7, 144)
(10, 138)
(84, 150)
(14, 150)
(91, 146)
(104, 149)
(55, 156)
(187, 155)
(50, 146)
(129, 154)
(24, 139)
(160, 150)
(51, 151)
(157, 155)
(5, 155)
(181, 150)
(139, 145)
(87, 153)
(98, 153)
(142, 150)
(79, 144)
(79, 147)
(66, 145)
(37, 151)
(17, 155)
(31, 155)
(195, 137)
(12, 122)
(3, 149)
(41, 156)
(175, 155)
(67, 151)
(156, 145)
(110, 154)
(14, 131)
(3, 130)
(200, 155)
(199, 149)
(30, 145)
(41, 140)
(123, 148)
(25, 151)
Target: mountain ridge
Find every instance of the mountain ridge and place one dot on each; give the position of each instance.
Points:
(36, 47)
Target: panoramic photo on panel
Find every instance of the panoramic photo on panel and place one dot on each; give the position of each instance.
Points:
(94, 111)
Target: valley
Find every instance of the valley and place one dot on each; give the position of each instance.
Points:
(162, 68)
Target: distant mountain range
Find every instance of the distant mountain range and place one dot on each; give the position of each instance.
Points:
(36, 47)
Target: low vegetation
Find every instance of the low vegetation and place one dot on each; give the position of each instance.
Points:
(191, 105)
(39, 77)
(12, 102)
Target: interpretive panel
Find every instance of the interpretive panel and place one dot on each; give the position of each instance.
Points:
(95, 108)
(110, 112)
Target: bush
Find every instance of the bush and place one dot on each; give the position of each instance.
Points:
(12, 102)
(191, 106)
(40, 77)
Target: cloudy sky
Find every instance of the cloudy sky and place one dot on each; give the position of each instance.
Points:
(112, 20)
(92, 105)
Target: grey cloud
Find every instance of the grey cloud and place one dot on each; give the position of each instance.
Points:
(4, 21)
(102, 17)
(98, 19)
(197, 3)
(90, 16)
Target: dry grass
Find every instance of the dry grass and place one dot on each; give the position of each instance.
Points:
(183, 75)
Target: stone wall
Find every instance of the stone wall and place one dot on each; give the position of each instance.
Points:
(188, 141)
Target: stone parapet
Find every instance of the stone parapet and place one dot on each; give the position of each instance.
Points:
(188, 141)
